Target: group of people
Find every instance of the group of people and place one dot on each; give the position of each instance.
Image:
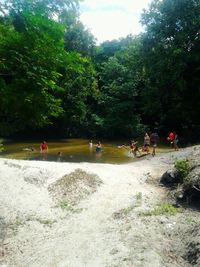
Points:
(44, 147)
(149, 140)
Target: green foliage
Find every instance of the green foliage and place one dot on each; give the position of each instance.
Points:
(40, 80)
(183, 167)
(31, 56)
(51, 73)
(120, 79)
(80, 91)
(162, 209)
(47, 8)
(171, 55)
(78, 39)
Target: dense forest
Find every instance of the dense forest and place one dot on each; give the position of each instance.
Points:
(54, 78)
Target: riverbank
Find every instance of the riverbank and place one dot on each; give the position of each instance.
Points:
(89, 214)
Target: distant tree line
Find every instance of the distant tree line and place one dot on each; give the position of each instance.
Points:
(54, 78)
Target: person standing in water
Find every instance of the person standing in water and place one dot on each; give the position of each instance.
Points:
(98, 147)
(90, 144)
(43, 147)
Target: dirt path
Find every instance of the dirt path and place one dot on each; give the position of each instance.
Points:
(103, 230)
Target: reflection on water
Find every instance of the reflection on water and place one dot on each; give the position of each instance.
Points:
(69, 150)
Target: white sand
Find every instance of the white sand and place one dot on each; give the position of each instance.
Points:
(35, 233)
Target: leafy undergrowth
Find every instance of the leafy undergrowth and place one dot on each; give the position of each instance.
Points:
(162, 209)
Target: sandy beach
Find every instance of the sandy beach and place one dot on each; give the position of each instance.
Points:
(93, 224)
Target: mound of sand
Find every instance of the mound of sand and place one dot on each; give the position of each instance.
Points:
(73, 187)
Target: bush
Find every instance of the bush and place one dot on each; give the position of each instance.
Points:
(182, 167)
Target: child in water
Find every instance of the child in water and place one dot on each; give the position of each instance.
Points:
(98, 147)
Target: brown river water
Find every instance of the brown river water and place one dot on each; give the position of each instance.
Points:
(73, 150)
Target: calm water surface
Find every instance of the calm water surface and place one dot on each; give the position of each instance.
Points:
(73, 150)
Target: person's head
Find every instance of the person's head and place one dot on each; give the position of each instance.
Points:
(146, 134)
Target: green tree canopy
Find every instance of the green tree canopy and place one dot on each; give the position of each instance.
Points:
(120, 79)
(30, 56)
(171, 53)
(44, 75)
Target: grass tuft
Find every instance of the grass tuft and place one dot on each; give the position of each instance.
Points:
(162, 209)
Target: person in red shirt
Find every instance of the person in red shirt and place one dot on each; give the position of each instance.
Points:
(170, 137)
(43, 147)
